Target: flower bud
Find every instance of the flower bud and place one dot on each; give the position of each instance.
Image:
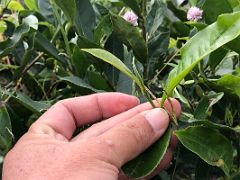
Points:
(131, 17)
(194, 14)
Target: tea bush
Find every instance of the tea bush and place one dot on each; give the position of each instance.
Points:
(53, 49)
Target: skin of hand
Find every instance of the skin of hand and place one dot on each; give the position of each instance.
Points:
(123, 129)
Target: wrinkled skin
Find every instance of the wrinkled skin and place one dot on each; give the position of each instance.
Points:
(122, 130)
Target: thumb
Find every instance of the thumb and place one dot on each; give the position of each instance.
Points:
(130, 138)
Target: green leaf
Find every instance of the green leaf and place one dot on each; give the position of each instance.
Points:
(131, 37)
(80, 62)
(5, 129)
(216, 57)
(103, 30)
(124, 83)
(114, 46)
(234, 3)
(231, 83)
(146, 163)
(203, 43)
(85, 18)
(97, 81)
(205, 104)
(79, 83)
(15, 6)
(114, 61)
(37, 107)
(47, 47)
(220, 7)
(8, 45)
(217, 126)
(193, 2)
(210, 145)
(157, 49)
(46, 10)
(155, 17)
(68, 7)
(3, 26)
(31, 4)
(199, 25)
(26, 58)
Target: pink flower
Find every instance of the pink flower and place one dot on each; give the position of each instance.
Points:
(194, 14)
(131, 17)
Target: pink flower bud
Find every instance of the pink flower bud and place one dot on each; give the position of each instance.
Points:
(131, 17)
(194, 14)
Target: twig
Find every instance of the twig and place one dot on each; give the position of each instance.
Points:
(160, 71)
(65, 38)
(32, 63)
(14, 90)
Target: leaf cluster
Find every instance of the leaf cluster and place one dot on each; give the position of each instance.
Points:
(53, 49)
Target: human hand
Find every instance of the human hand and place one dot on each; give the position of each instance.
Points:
(48, 150)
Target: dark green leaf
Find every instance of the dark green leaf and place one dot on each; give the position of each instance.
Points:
(116, 47)
(209, 145)
(80, 62)
(155, 16)
(157, 50)
(199, 25)
(79, 83)
(131, 37)
(83, 42)
(205, 104)
(97, 81)
(85, 18)
(27, 57)
(124, 83)
(134, 5)
(216, 57)
(46, 46)
(182, 15)
(5, 129)
(220, 7)
(7, 46)
(234, 45)
(68, 7)
(103, 30)
(37, 107)
(46, 10)
(145, 163)
(201, 110)
(113, 60)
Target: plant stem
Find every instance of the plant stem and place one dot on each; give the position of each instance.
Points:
(144, 33)
(144, 13)
(160, 71)
(65, 38)
(31, 64)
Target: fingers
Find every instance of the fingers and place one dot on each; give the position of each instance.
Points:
(101, 127)
(128, 139)
(68, 114)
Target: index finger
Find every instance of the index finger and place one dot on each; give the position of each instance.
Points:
(66, 115)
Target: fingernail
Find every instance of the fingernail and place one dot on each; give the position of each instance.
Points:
(158, 119)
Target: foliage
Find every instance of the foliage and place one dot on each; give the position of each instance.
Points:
(52, 49)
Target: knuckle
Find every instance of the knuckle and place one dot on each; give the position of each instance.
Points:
(60, 103)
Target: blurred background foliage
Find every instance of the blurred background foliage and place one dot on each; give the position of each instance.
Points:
(42, 63)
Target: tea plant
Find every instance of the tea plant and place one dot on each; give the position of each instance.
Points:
(53, 49)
